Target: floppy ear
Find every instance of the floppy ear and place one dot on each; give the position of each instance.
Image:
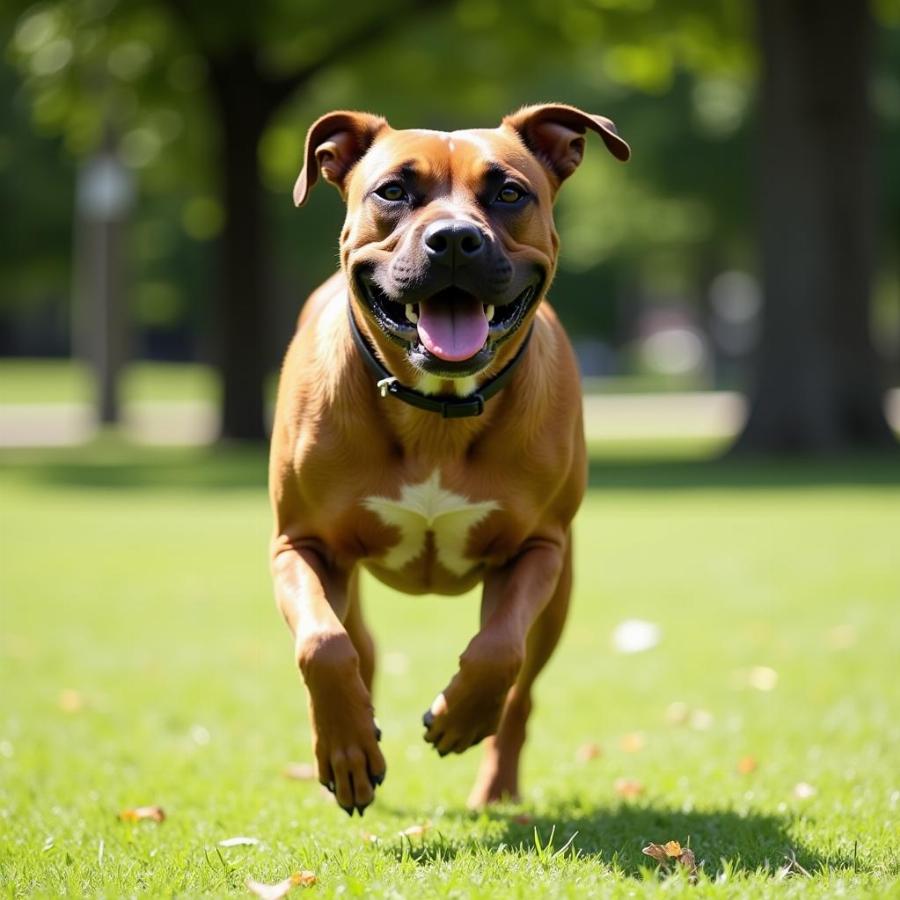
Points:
(554, 133)
(334, 145)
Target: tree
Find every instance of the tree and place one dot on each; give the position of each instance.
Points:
(818, 384)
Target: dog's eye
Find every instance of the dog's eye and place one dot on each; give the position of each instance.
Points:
(510, 193)
(392, 192)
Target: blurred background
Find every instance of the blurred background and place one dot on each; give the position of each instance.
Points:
(745, 264)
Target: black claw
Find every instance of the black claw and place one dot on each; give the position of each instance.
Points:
(377, 779)
(348, 810)
(377, 733)
(360, 810)
(428, 719)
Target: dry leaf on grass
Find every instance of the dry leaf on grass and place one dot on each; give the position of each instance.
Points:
(143, 813)
(677, 712)
(841, 637)
(587, 752)
(415, 830)
(673, 852)
(298, 771)
(762, 678)
(747, 764)
(523, 819)
(70, 701)
(239, 841)
(278, 890)
(628, 787)
(632, 743)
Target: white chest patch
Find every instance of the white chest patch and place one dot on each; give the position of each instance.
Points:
(428, 507)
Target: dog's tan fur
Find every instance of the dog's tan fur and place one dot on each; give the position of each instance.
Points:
(499, 491)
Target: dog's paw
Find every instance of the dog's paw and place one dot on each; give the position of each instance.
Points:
(469, 708)
(350, 766)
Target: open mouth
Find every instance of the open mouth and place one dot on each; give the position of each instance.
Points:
(451, 328)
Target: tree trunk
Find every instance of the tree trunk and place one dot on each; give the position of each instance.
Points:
(818, 380)
(244, 109)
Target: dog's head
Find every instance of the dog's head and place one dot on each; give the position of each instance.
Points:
(449, 242)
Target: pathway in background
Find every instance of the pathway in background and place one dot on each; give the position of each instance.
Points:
(712, 414)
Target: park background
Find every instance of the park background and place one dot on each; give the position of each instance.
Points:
(734, 296)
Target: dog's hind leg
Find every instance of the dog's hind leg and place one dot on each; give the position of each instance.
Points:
(498, 776)
(359, 633)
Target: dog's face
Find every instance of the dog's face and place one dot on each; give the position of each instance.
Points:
(449, 242)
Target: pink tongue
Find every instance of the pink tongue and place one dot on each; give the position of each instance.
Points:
(453, 329)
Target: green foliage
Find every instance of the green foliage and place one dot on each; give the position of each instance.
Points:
(676, 75)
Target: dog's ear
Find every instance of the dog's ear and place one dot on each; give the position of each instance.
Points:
(554, 133)
(334, 144)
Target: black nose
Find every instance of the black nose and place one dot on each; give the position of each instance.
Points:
(452, 242)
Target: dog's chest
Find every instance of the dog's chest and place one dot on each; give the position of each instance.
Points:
(430, 519)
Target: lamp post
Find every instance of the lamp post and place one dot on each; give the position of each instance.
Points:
(104, 197)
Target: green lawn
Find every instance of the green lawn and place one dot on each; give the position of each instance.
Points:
(68, 381)
(143, 662)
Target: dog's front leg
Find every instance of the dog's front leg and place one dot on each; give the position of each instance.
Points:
(312, 598)
(469, 708)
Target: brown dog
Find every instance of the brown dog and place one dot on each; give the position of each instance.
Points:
(428, 427)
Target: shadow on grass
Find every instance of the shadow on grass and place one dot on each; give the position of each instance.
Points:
(117, 465)
(861, 469)
(614, 836)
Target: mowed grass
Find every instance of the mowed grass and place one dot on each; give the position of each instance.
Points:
(143, 662)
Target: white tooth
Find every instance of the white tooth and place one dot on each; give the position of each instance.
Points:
(489, 312)
(411, 313)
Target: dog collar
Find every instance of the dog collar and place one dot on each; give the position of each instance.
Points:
(448, 407)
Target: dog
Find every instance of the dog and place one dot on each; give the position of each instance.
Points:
(428, 427)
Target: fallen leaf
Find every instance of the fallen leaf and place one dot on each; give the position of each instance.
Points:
(747, 764)
(762, 678)
(632, 743)
(657, 852)
(677, 713)
(523, 819)
(804, 791)
(239, 841)
(841, 637)
(415, 830)
(628, 787)
(635, 636)
(672, 851)
(587, 752)
(71, 701)
(141, 813)
(278, 890)
(298, 771)
(672, 848)
(688, 860)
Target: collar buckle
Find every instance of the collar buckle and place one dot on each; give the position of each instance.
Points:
(385, 385)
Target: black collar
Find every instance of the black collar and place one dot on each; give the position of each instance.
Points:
(448, 407)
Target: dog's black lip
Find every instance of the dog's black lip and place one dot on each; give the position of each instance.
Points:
(407, 335)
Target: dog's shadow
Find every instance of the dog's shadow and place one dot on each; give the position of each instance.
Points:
(615, 836)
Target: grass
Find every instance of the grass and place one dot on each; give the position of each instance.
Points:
(143, 662)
